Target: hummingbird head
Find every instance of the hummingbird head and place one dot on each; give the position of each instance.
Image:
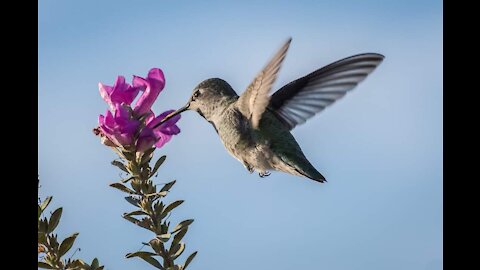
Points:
(208, 99)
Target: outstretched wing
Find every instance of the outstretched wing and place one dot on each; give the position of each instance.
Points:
(301, 99)
(253, 102)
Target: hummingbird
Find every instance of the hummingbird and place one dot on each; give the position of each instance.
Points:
(255, 126)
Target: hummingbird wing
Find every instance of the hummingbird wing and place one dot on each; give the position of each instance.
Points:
(301, 99)
(253, 102)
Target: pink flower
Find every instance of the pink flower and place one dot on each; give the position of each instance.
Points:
(160, 135)
(119, 127)
(152, 86)
(133, 128)
(120, 93)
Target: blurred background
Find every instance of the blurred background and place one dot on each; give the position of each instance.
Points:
(380, 147)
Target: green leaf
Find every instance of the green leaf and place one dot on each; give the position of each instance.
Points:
(146, 256)
(54, 220)
(135, 213)
(147, 156)
(120, 165)
(78, 264)
(39, 211)
(178, 237)
(168, 186)
(157, 246)
(139, 254)
(157, 194)
(157, 165)
(182, 225)
(158, 208)
(45, 203)
(45, 265)
(94, 265)
(67, 244)
(42, 239)
(175, 267)
(131, 219)
(43, 225)
(133, 201)
(122, 188)
(189, 259)
(164, 237)
(171, 206)
(177, 250)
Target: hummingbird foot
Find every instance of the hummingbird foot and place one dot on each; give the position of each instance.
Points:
(264, 174)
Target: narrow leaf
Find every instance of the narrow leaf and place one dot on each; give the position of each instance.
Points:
(131, 219)
(189, 259)
(120, 165)
(54, 220)
(157, 194)
(157, 246)
(147, 156)
(146, 256)
(182, 225)
(168, 186)
(135, 213)
(132, 200)
(45, 265)
(171, 206)
(139, 254)
(164, 237)
(94, 264)
(122, 188)
(178, 250)
(178, 237)
(45, 203)
(157, 165)
(78, 263)
(67, 244)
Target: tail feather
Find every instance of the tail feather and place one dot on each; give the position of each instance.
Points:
(303, 168)
(316, 176)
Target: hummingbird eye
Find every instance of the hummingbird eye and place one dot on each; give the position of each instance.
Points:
(196, 94)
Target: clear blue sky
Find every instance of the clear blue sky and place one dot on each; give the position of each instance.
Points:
(380, 147)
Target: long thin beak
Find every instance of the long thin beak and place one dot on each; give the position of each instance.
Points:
(184, 108)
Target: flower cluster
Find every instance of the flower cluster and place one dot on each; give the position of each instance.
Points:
(131, 127)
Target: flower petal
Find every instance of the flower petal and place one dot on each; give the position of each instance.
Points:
(162, 139)
(157, 75)
(154, 83)
(109, 121)
(150, 117)
(139, 82)
(105, 93)
(146, 140)
(170, 130)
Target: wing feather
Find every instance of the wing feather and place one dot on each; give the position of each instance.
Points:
(301, 99)
(253, 102)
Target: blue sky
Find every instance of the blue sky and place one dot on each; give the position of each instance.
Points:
(380, 147)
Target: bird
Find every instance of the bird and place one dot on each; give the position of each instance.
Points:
(255, 126)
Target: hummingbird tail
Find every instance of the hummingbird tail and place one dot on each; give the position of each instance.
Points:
(313, 174)
(300, 166)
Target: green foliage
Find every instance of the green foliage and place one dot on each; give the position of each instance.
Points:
(51, 249)
(152, 213)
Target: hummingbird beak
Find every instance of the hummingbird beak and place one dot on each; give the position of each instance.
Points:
(184, 108)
